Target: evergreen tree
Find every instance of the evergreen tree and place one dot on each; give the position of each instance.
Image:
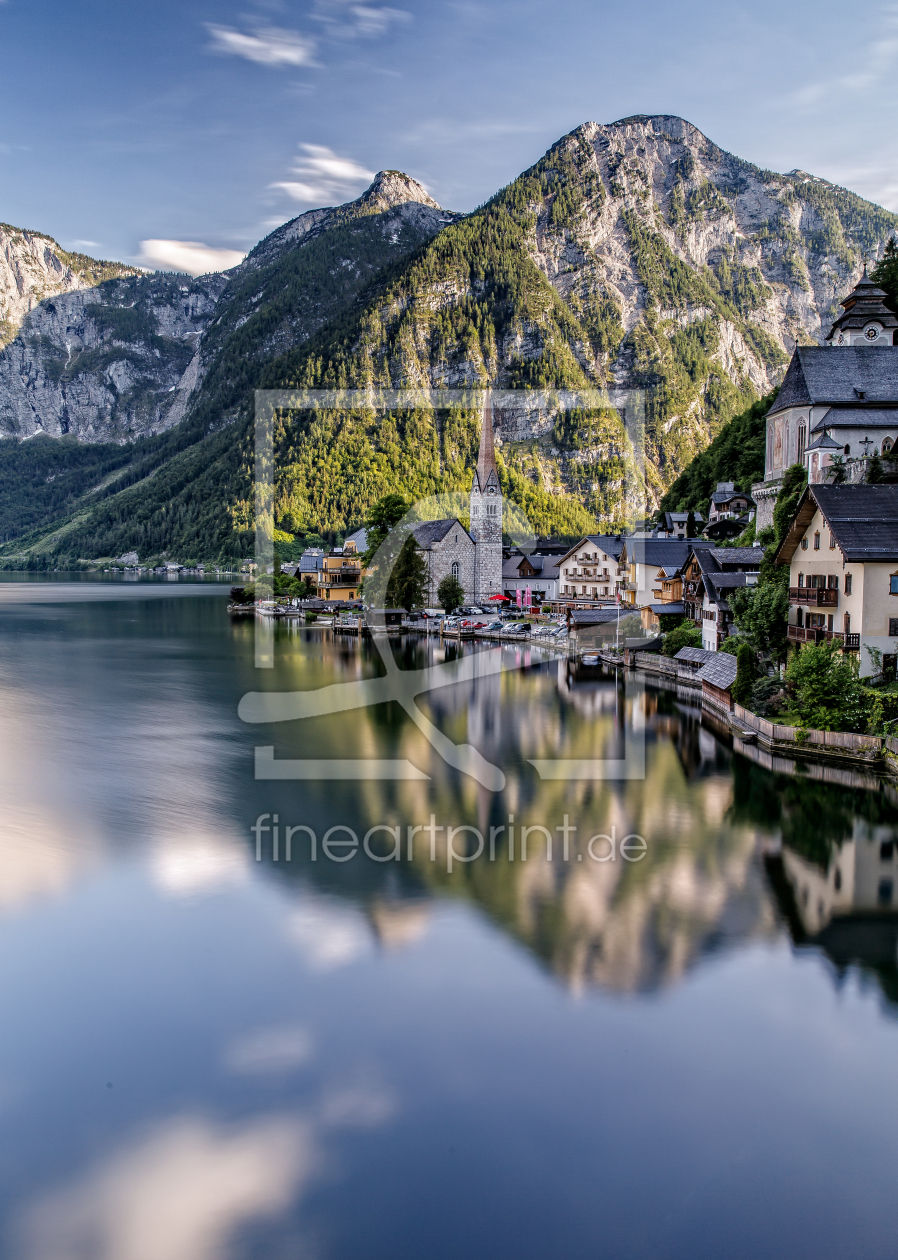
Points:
(885, 273)
(450, 593)
(407, 587)
(384, 514)
(690, 524)
(745, 670)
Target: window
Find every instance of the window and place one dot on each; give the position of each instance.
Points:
(804, 544)
(817, 541)
(847, 623)
(832, 582)
(893, 627)
(893, 584)
(455, 570)
(847, 583)
(847, 450)
(837, 880)
(801, 579)
(491, 509)
(832, 542)
(801, 442)
(886, 445)
(798, 617)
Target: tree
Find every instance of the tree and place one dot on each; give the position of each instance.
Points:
(795, 478)
(837, 473)
(761, 613)
(874, 470)
(687, 634)
(690, 524)
(450, 593)
(745, 672)
(825, 691)
(382, 516)
(408, 583)
(885, 273)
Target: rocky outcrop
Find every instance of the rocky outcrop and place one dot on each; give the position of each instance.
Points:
(33, 267)
(124, 359)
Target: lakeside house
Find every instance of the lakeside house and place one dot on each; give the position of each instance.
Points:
(842, 553)
(591, 570)
(536, 573)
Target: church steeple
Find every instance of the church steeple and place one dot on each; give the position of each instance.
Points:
(867, 320)
(486, 459)
(486, 513)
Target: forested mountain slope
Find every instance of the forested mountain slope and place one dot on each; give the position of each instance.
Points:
(636, 255)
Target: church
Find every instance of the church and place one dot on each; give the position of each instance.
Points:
(473, 556)
(839, 399)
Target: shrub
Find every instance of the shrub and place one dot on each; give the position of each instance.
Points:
(825, 691)
(685, 635)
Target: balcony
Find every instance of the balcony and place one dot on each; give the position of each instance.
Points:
(818, 598)
(812, 634)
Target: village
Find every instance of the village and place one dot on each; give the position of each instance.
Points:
(775, 604)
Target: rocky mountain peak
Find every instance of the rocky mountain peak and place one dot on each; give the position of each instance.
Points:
(395, 188)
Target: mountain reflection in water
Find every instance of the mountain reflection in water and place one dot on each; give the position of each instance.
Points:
(206, 1057)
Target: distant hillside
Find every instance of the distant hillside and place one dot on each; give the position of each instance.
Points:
(632, 255)
(736, 454)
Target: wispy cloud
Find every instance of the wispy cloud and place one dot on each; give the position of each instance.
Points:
(344, 20)
(193, 257)
(323, 176)
(876, 65)
(268, 46)
(270, 1051)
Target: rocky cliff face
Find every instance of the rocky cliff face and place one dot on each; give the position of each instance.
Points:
(33, 267)
(113, 359)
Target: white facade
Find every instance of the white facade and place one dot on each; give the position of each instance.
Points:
(590, 572)
(829, 594)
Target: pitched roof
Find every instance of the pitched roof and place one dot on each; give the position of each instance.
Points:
(609, 543)
(660, 552)
(823, 442)
(857, 418)
(863, 519)
(592, 616)
(696, 656)
(360, 538)
(844, 374)
(427, 533)
(738, 555)
(719, 672)
(727, 495)
(671, 609)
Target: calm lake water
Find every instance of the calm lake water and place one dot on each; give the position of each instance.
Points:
(203, 1055)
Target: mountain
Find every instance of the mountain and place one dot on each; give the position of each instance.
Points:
(632, 255)
(33, 268)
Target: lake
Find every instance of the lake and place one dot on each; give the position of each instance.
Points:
(668, 1031)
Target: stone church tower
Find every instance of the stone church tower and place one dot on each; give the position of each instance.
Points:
(486, 515)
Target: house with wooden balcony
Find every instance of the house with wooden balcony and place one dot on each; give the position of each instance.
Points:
(842, 552)
(710, 575)
(337, 575)
(592, 570)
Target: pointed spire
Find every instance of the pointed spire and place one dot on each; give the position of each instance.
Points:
(486, 459)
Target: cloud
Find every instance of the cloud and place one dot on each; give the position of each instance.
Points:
(182, 867)
(86, 244)
(329, 936)
(193, 257)
(344, 20)
(269, 46)
(270, 1050)
(324, 177)
(876, 62)
(180, 1193)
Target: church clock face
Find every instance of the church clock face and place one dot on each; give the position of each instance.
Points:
(871, 333)
(492, 490)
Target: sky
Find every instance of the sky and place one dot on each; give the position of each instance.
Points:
(179, 134)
